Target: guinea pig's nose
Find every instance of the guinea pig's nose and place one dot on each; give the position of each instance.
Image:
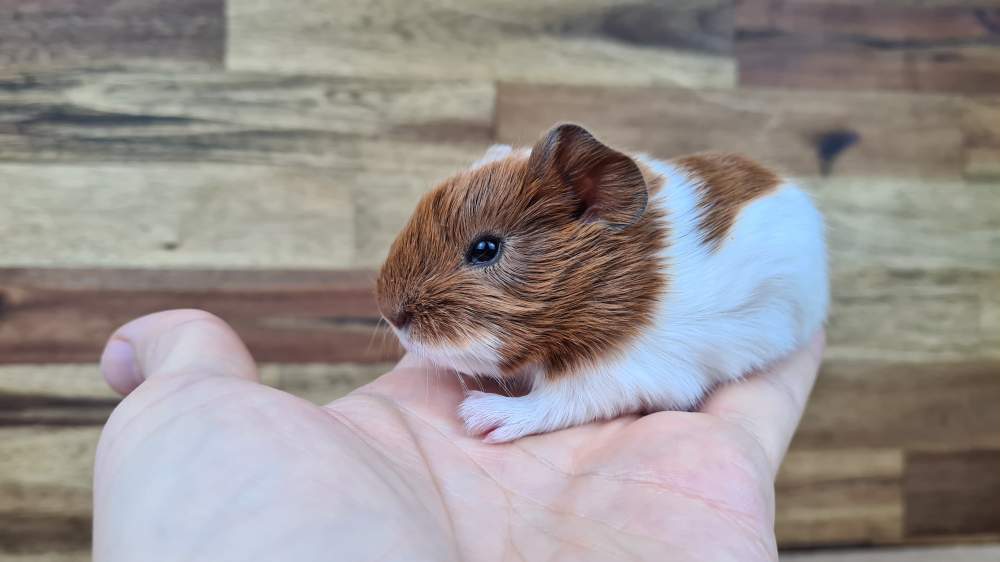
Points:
(399, 318)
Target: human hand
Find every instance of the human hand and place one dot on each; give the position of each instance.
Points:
(202, 462)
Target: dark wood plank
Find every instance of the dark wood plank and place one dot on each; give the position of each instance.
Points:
(833, 45)
(919, 405)
(347, 125)
(35, 33)
(597, 41)
(49, 316)
(952, 553)
(952, 493)
(22, 533)
(804, 133)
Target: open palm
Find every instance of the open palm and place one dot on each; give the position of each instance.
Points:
(201, 462)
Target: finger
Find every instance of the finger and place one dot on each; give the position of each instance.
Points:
(172, 342)
(770, 404)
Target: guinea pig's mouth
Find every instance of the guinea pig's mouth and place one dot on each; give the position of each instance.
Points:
(477, 355)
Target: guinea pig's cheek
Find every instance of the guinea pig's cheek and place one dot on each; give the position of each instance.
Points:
(478, 355)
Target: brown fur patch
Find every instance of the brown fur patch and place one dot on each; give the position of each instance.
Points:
(727, 182)
(564, 292)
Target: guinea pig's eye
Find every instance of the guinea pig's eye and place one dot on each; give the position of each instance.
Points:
(483, 251)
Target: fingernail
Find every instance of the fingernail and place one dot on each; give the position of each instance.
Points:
(120, 367)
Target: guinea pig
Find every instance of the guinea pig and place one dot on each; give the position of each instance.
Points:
(612, 283)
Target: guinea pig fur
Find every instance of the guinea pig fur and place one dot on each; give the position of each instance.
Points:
(612, 283)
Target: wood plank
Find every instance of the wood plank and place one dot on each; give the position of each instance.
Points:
(348, 125)
(952, 493)
(140, 32)
(840, 496)
(909, 223)
(595, 41)
(919, 405)
(957, 553)
(830, 45)
(208, 215)
(803, 133)
(981, 122)
(915, 268)
(75, 395)
(63, 554)
(303, 317)
(45, 488)
(913, 314)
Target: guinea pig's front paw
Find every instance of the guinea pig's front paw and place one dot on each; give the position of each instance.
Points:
(499, 419)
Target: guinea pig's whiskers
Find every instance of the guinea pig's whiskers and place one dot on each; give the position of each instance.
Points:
(371, 339)
(461, 381)
(505, 385)
(427, 388)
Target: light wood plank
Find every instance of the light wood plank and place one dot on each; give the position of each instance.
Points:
(595, 41)
(207, 215)
(895, 134)
(905, 223)
(840, 496)
(45, 488)
(139, 32)
(347, 125)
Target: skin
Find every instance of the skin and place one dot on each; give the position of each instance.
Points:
(202, 462)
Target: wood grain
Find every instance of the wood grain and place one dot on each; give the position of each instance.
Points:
(45, 488)
(910, 406)
(595, 41)
(952, 492)
(840, 496)
(209, 215)
(896, 134)
(36, 33)
(66, 315)
(343, 124)
(830, 45)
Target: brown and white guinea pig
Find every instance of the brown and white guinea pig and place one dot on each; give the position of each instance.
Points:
(614, 283)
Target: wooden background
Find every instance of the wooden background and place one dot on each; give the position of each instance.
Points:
(255, 157)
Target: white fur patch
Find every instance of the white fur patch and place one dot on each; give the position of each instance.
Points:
(477, 357)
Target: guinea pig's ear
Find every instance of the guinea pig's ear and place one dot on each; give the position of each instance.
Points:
(608, 184)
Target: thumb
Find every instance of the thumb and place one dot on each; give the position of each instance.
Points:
(173, 342)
